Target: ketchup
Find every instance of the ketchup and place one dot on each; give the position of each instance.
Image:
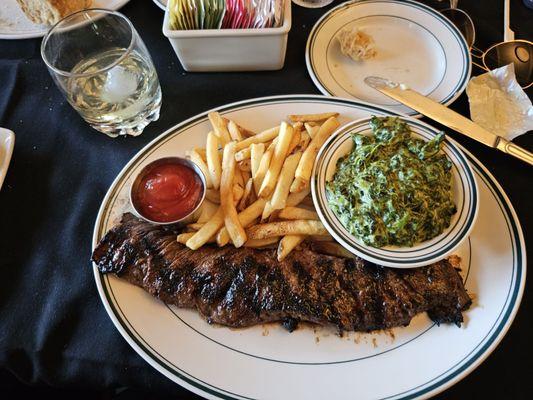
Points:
(168, 192)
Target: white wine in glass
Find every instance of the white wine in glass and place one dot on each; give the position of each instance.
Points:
(105, 71)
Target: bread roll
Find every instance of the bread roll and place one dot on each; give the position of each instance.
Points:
(48, 12)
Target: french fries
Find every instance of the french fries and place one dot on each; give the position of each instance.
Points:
(272, 144)
(213, 196)
(183, 237)
(262, 169)
(257, 186)
(262, 137)
(311, 129)
(279, 197)
(307, 202)
(305, 167)
(238, 192)
(219, 126)
(287, 244)
(286, 132)
(195, 227)
(246, 218)
(231, 219)
(296, 198)
(207, 210)
(312, 117)
(201, 152)
(254, 243)
(244, 131)
(245, 166)
(213, 159)
(283, 228)
(248, 190)
(196, 158)
(305, 139)
(209, 229)
(246, 175)
(297, 213)
(297, 134)
(237, 177)
(234, 131)
(267, 211)
(244, 153)
(256, 153)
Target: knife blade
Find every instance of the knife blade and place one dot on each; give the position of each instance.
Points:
(446, 117)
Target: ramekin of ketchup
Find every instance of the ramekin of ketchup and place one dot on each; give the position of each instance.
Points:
(168, 191)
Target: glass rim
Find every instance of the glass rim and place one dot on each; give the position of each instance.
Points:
(468, 18)
(499, 44)
(104, 69)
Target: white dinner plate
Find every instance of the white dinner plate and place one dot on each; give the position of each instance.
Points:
(162, 4)
(267, 362)
(15, 25)
(7, 144)
(415, 45)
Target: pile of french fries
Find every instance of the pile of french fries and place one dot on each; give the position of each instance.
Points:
(258, 184)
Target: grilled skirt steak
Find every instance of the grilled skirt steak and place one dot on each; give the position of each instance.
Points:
(244, 287)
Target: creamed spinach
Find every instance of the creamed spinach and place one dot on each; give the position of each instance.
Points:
(392, 188)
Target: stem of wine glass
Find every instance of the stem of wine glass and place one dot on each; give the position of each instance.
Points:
(480, 66)
(508, 34)
(476, 52)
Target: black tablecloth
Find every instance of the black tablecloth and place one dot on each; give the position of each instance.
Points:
(54, 330)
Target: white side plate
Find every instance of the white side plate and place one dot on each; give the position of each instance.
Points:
(7, 143)
(15, 25)
(267, 362)
(415, 45)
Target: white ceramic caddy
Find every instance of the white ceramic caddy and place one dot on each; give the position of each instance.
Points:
(209, 50)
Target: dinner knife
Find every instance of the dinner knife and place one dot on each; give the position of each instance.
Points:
(446, 116)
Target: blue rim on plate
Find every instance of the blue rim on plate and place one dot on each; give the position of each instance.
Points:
(479, 351)
(465, 191)
(162, 4)
(459, 82)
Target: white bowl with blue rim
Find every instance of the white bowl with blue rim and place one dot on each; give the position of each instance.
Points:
(464, 189)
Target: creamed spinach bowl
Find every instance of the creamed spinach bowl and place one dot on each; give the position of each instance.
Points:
(395, 191)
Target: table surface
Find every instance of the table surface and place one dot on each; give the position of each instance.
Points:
(53, 328)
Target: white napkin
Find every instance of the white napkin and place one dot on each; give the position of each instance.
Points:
(498, 103)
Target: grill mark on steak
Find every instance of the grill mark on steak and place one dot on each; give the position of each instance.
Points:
(244, 287)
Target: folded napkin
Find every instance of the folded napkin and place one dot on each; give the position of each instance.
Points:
(499, 104)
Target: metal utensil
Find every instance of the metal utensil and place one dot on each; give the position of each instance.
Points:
(446, 116)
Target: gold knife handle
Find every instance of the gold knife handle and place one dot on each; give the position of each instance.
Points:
(510, 148)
